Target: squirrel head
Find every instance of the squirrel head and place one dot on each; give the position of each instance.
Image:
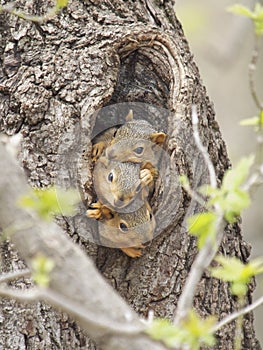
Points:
(135, 150)
(117, 184)
(135, 141)
(125, 230)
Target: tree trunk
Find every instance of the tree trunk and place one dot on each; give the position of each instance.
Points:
(54, 77)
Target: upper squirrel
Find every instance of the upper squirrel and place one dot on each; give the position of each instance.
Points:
(127, 231)
(118, 184)
(135, 141)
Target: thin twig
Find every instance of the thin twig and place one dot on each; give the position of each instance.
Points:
(208, 251)
(252, 181)
(29, 295)
(239, 322)
(11, 276)
(236, 314)
(202, 149)
(201, 262)
(10, 8)
(251, 71)
(194, 195)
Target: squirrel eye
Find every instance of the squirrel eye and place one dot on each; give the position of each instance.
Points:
(138, 188)
(110, 177)
(151, 216)
(139, 150)
(123, 227)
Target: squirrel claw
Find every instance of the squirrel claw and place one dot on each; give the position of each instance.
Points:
(97, 150)
(99, 211)
(133, 252)
(94, 213)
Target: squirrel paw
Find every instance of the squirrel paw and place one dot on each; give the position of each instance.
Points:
(97, 150)
(94, 213)
(154, 171)
(99, 211)
(146, 177)
(133, 252)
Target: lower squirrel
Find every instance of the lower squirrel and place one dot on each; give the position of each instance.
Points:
(127, 231)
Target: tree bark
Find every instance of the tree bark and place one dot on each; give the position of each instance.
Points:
(54, 77)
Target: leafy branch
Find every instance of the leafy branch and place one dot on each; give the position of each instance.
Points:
(224, 205)
(52, 12)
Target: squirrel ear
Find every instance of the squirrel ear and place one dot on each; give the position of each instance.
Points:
(158, 137)
(129, 116)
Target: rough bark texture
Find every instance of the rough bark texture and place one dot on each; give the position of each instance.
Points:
(54, 77)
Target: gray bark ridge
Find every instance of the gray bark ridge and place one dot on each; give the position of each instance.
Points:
(55, 78)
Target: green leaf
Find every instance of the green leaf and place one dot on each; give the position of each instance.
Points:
(255, 266)
(238, 9)
(235, 177)
(254, 121)
(61, 4)
(231, 198)
(261, 118)
(42, 267)
(234, 203)
(202, 225)
(239, 289)
(184, 181)
(230, 269)
(49, 202)
(256, 16)
(193, 332)
(237, 273)
(258, 12)
(207, 190)
(162, 329)
(199, 330)
(259, 27)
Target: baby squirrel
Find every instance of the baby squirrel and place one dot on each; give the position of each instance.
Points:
(127, 231)
(135, 141)
(118, 184)
(124, 174)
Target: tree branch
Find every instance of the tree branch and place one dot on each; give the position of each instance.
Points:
(59, 301)
(7, 277)
(10, 8)
(74, 278)
(251, 71)
(236, 314)
(208, 251)
(202, 149)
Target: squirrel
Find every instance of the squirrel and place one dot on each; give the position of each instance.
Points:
(135, 141)
(119, 184)
(127, 231)
(124, 174)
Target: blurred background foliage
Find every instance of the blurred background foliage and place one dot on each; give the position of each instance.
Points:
(222, 45)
